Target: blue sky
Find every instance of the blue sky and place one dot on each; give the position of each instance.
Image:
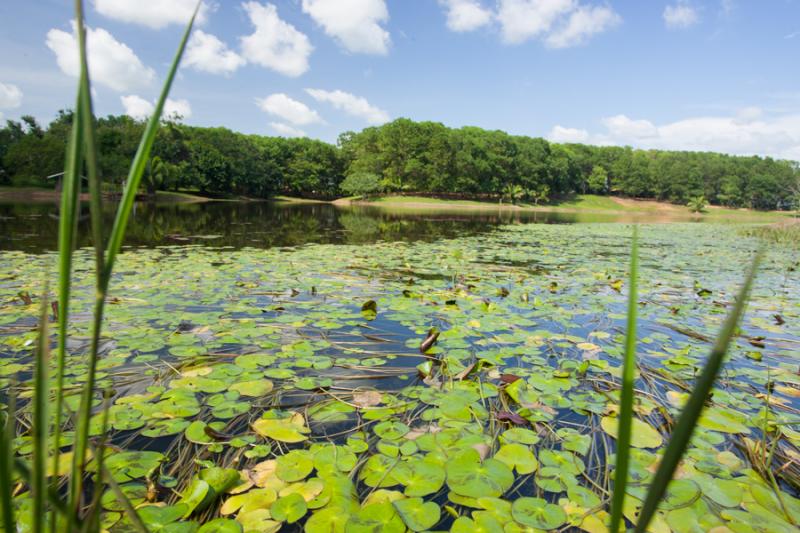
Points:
(679, 74)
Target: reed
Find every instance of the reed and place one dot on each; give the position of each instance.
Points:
(626, 394)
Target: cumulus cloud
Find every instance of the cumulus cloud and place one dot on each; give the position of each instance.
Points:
(10, 96)
(156, 17)
(354, 24)
(351, 104)
(561, 134)
(111, 63)
(285, 130)
(558, 23)
(620, 126)
(582, 24)
(138, 108)
(207, 53)
(680, 16)
(466, 15)
(290, 110)
(521, 20)
(749, 131)
(275, 44)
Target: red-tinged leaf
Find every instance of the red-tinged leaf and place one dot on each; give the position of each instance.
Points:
(514, 418)
(508, 378)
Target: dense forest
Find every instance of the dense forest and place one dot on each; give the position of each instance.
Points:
(401, 156)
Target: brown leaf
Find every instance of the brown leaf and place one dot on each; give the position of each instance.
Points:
(369, 398)
(482, 449)
(429, 341)
(464, 373)
(514, 418)
(508, 378)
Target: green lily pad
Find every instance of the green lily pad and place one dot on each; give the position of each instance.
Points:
(295, 465)
(375, 518)
(468, 476)
(420, 477)
(517, 456)
(255, 388)
(643, 435)
(536, 512)
(289, 509)
(417, 514)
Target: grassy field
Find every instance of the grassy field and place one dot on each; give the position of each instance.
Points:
(582, 203)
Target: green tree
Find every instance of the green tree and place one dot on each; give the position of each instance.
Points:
(361, 184)
(598, 180)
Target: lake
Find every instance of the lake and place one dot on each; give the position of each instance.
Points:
(338, 358)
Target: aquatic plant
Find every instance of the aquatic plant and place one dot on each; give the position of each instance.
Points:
(267, 393)
(81, 152)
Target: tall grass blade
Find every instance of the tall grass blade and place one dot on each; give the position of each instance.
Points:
(626, 394)
(40, 427)
(90, 146)
(114, 245)
(67, 228)
(682, 433)
(7, 459)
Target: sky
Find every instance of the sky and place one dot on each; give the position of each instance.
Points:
(717, 75)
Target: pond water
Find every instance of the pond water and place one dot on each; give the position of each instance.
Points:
(34, 227)
(287, 344)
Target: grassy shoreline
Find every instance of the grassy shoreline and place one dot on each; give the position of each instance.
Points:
(586, 204)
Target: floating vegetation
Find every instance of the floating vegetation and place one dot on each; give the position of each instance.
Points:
(466, 384)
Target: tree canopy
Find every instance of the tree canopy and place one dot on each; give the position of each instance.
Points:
(402, 156)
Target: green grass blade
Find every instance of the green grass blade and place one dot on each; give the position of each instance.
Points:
(7, 459)
(115, 243)
(89, 142)
(68, 219)
(141, 158)
(626, 394)
(40, 428)
(683, 430)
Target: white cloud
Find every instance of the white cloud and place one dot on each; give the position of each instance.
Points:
(582, 24)
(680, 16)
(466, 15)
(10, 96)
(290, 110)
(559, 23)
(561, 134)
(207, 53)
(354, 24)
(351, 104)
(521, 20)
(138, 108)
(285, 130)
(111, 63)
(620, 126)
(177, 108)
(749, 131)
(2, 116)
(275, 44)
(156, 17)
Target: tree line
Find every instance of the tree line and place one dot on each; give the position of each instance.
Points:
(397, 157)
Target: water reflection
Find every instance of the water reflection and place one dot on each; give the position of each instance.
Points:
(33, 227)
